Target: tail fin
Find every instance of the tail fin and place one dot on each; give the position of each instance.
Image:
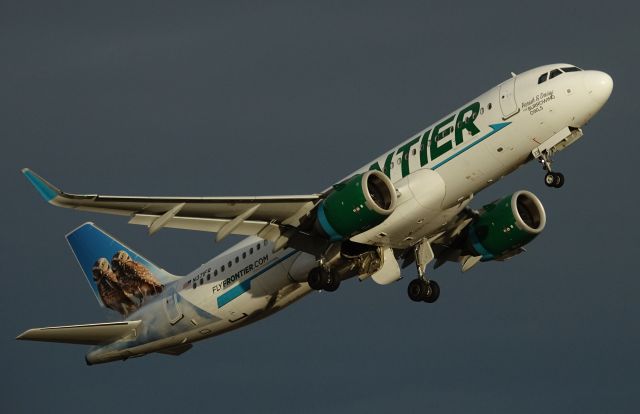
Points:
(120, 278)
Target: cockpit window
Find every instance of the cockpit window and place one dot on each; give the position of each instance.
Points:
(542, 78)
(554, 73)
(571, 69)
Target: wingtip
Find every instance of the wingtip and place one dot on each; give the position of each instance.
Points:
(21, 337)
(44, 188)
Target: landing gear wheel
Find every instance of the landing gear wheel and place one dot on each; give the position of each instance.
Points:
(332, 284)
(315, 279)
(432, 293)
(550, 179)
(320, 279)
(554, 179)
(559, 180)
(416, 289)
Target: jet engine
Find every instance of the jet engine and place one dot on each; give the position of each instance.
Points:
(356, 205)
(503, 227)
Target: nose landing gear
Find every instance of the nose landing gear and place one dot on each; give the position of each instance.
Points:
(551, 179)
(560, 140)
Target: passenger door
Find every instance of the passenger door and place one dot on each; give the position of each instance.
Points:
(508, 103)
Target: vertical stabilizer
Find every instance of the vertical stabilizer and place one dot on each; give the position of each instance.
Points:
(121, 279)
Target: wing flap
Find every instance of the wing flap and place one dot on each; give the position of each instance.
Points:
(89, 334)
(246, 228)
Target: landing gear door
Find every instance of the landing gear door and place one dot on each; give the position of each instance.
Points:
(508, 103)
(172, 307)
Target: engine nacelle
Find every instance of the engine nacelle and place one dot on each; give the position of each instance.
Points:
(356, 205)
(505, 226)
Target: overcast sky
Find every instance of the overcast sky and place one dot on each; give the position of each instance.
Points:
(242, 98)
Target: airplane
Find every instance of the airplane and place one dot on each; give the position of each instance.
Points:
(408, 206)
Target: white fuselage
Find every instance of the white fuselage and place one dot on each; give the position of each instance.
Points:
(435, 181)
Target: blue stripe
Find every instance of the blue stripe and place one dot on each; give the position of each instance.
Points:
(477, 246)
(494, 128)
(326, 226)
(245, 285)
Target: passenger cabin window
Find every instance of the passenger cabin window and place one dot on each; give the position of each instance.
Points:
(554, 73)
(542, 78)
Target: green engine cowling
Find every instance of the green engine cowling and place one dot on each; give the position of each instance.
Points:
(355, 205)
(504, 226)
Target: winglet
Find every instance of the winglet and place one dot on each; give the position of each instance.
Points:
(46, 189)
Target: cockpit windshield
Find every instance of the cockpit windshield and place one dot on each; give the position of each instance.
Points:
(557, 72)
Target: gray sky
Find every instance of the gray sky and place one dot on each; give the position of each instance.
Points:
(241, 98)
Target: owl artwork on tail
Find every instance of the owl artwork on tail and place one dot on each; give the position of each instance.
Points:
(134, 277)
(109, 289)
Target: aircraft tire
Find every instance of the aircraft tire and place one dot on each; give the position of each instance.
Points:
(332, 284)
(559, 180)
(550, 179)
(432, 293)
(315, 279)
(416, 290)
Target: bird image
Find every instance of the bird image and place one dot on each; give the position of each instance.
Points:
(134, 277)
(109, 289)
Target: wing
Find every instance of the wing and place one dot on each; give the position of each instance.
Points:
(91, 334)
(276, 218)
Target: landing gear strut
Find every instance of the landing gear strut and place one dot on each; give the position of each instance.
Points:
(423, 289)
(551, 179)
(321, 279)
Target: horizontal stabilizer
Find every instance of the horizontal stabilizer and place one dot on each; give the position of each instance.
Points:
(90, 334)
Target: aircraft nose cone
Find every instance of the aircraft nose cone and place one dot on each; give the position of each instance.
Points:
(599, 85)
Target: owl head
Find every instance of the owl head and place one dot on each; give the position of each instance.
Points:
(100, 268)
(121, 256)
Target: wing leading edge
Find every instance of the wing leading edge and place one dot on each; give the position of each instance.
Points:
(274, 218)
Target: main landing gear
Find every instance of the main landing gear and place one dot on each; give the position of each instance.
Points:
(423, 289)
(321, 279)
(551, 179)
